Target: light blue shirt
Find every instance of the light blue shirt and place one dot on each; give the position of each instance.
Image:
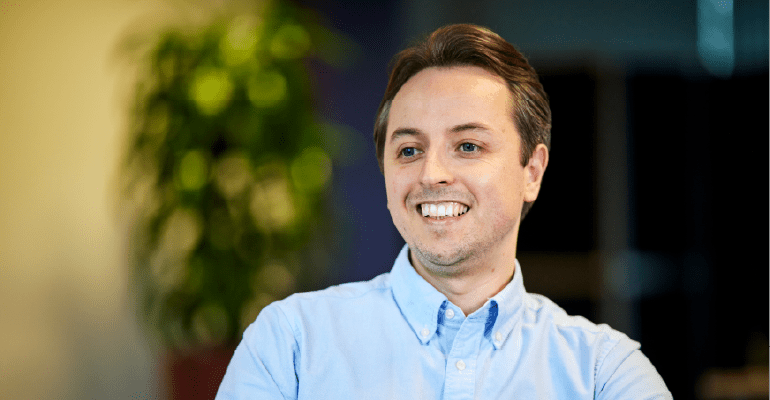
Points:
(397, 337)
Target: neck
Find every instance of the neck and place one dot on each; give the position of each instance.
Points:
(470, 285)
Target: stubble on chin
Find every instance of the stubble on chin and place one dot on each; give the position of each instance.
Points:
(450, 263)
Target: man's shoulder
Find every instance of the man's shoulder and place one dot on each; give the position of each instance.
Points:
(541, 310)
(324, 311)
(615, 361)
(349, 290)
(338, 297)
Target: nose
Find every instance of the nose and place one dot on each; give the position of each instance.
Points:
(435, 170)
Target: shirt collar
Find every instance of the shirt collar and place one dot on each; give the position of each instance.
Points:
(418, 300)
(421, 303)
(508, 304)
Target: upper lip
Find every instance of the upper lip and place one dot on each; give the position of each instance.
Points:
(440, 201)
(416, 199)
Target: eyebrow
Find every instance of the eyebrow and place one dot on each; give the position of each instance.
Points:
(471, 126)
(404, 132)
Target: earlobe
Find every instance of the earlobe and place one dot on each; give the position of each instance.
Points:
(535, 170)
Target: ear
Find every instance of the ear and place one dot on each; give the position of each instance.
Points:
(535, 169)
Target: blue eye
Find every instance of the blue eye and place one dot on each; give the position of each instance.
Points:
(469, 147)
(408, 151)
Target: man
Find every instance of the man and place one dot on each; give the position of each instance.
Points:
(462, 139)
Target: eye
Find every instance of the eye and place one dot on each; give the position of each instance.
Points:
(408, 152)
(469, 147)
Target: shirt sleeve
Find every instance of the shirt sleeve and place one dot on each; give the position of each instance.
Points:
(627, 374)
(263, 365)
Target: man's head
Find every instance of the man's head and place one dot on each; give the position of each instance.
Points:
(462, 142)
(469, 45)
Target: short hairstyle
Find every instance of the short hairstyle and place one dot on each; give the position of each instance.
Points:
(471, 45)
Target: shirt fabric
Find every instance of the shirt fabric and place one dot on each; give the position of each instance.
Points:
(397, 337)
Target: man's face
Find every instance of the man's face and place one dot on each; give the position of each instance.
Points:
(451, 146)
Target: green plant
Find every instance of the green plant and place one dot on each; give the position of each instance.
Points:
(227, 169)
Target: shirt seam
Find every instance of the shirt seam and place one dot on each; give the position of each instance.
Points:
(600, 364)
(296, 344)
(288, 322)
(272, 379)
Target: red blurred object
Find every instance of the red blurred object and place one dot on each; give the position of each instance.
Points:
(196, 374)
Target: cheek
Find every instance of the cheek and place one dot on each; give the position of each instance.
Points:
(393, 192)
(397, 183)
(502, 194)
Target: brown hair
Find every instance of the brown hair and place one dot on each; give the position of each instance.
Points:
(464, 44)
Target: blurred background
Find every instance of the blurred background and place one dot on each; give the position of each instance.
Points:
(653, 216)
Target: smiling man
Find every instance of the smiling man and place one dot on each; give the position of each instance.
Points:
(462, 138)
(455, 179)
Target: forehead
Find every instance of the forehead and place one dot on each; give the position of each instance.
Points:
(439, 97)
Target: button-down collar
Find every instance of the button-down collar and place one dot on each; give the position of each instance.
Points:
(418, 300)
(421, 303)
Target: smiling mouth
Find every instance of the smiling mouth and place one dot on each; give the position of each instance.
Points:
(442, 210)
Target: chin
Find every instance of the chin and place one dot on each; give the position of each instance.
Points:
(444, 259)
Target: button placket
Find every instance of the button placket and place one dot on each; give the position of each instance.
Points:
(461, 362)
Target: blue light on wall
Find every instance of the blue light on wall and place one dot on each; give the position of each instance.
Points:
(716, 37)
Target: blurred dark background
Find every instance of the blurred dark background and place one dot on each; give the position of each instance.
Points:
(653, 214)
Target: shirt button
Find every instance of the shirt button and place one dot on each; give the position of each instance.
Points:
(425, 332)
(499, 337)
(460, 365)
(450, 313)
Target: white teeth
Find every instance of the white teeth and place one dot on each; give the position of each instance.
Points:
(441, 210)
